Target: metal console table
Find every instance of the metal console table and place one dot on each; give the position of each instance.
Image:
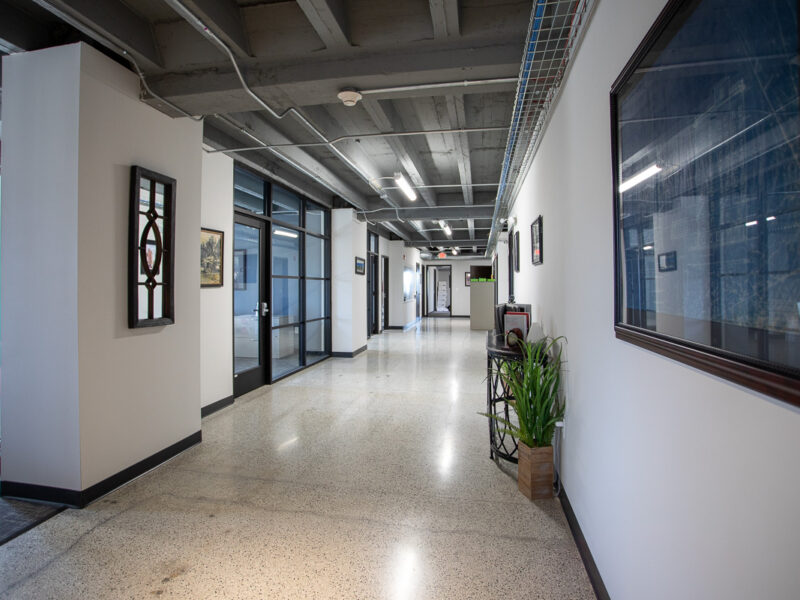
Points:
(501, 445)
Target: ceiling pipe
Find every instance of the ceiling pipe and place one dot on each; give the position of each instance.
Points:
(198, 24)
(373, 135)
(434, 86)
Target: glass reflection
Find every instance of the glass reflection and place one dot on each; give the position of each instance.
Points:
(246, 285)
(285, 350)
(709, 246)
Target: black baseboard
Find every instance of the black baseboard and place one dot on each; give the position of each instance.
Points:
(586, 555)
(352, 354)
(397, 327)
(209, 409)
(460, 316)
(80, 498)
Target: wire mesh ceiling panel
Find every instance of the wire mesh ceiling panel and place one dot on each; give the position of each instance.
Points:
(555, 28)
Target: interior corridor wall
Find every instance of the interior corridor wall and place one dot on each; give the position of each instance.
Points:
(685, 485)
(349, 291)
(112, 396)
(401, 312)
(216, 303)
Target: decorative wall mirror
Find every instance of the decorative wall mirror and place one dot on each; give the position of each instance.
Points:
(151, 257)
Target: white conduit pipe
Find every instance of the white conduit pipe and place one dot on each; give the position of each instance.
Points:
(200, 26)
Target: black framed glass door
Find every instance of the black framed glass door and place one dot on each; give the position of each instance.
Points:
(251, 368)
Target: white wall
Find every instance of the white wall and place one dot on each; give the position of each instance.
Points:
(383, 250)
(502, 267)
(216, 304)
(685, 485)
(40, 268)
(349, 291)
(401, 313)
(133, 392)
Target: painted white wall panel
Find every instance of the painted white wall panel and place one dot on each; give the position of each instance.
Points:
(685, 485)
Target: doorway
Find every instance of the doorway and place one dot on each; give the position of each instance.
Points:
(373, 298)
(250, 308)
(385, 290)
(440, 291)
(419, 291)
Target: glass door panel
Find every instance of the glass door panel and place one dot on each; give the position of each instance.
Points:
(249, 306)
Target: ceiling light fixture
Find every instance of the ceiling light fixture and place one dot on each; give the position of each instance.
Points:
(770, 218)
(639, 178)
(446, 228)
(751, 223)
(454, 251)
(284, 233)
(404, 185)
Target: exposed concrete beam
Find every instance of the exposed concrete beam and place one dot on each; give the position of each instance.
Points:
(114, 21)
(267, 164)
(329, 20)
(302, 161)
(19, 31)
(444, 15)
(310, 81)
(223, 17)
(386, 119)
(455, 111)
(433, 213)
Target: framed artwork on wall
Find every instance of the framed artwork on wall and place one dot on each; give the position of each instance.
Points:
(692, 170)
(361, 266)
(466, 279)
(211, 253)
(151, 259)
(516, 251)
(536, 241)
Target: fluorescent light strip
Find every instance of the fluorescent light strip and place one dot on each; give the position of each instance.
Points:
(751, 223)
(647, 247)
(284, 233)
(771, 218)
(404, 185)
(639, 178)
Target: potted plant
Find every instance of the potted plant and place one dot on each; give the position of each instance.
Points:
(534, 383)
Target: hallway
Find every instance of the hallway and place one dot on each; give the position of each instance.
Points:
(357, 478)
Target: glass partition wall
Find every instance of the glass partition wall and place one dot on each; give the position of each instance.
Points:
(294, 307)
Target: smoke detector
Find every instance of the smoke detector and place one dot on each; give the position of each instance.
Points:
(349, 96)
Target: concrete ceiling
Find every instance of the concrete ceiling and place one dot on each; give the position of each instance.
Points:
(297, 56)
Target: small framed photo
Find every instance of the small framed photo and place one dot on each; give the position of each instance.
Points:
(466, 279)
(240, 269)
(668, 261)
(361, 266)
(211, 242)
(516, 251)
(536, 241)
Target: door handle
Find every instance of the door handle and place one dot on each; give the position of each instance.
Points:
(264, 309)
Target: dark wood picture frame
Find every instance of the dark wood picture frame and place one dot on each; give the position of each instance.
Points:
(164, 262)
(466, 279)
(537, 245)
(361, 266)
(221, 258)
(759, 375)
(516, 252)
(667, 261)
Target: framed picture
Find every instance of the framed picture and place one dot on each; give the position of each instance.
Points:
(536, 241)
(151, 262)
(466, 279)
(692, 169)
(361, 266)
(211, 246)
(240, 269)
(516, 251)
(668, 261)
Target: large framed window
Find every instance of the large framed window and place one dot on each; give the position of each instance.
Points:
(706, 148)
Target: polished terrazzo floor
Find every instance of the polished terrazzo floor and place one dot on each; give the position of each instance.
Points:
(357, 478)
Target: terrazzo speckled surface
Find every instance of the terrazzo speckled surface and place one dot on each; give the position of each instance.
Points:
(357, 478)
